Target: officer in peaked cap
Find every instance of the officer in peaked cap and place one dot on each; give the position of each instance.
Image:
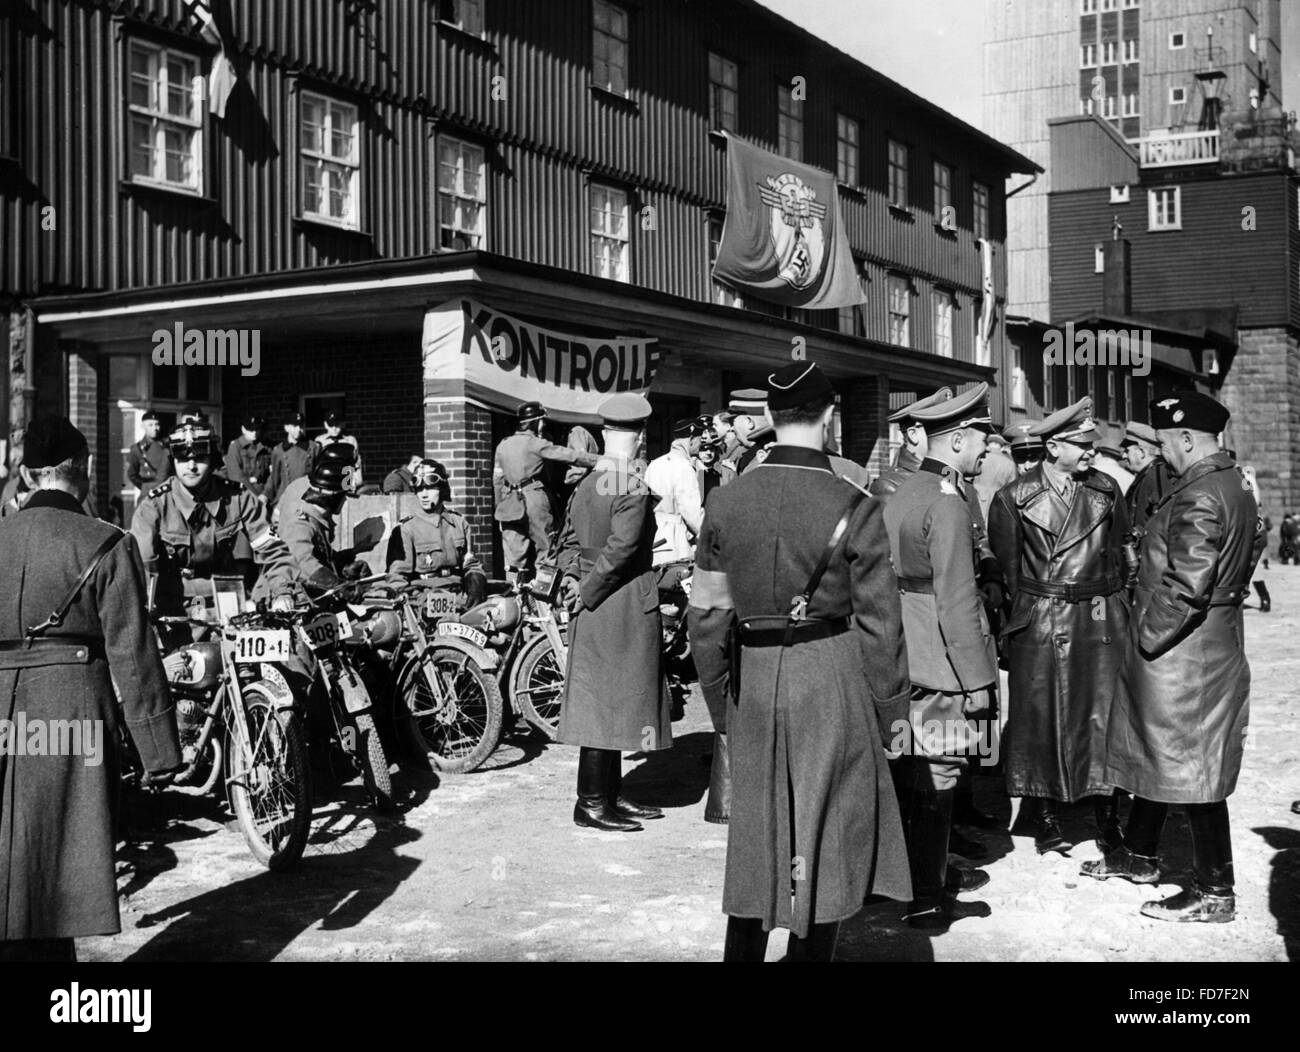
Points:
(198, 524)
(1109, 459)
(746, 410)
(148, 463)
(914, 438)
(523, 502)
(1059, 532)
(1153, 479)
(809, 773)
(952, 661)
(606, 553)
(1026, 449)
(1178, 728)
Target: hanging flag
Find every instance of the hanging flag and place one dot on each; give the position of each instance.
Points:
(988, 305)
(784, 239)
(222, 78)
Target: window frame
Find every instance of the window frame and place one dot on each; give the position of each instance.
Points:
(720, 87)
(1088, 56)
(595, 187)
(1017, 388)
(943, 344)
(893, 166)
(195, 124)
(1088, 7)
(1179, 34)
(1132, 50)
(787, 118)
(981, 215)
(458, 195)
(459, 22)
(353, 165)
(936, 167)
(1110, 53)
(608, 83)
(1132, 111)
(719, 294)
(843, 145)
(893, 282)
(1178, 102)
(1155, 194)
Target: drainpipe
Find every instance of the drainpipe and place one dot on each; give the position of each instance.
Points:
(29, 366)
(1033, 178)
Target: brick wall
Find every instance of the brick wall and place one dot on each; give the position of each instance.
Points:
(89, 414)
(458, 434)
(864, 426)
(1262, 390)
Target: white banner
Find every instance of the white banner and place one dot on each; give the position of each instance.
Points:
(501, 360)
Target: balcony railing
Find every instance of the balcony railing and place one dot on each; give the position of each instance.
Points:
(1166, 151)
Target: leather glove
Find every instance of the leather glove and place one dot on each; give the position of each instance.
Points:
(994, 594)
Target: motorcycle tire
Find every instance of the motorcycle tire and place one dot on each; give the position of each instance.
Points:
(272, 802)
(374, 765)
(537, 686)
(460, 741)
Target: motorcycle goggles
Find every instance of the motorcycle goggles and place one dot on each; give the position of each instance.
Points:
(199, 449)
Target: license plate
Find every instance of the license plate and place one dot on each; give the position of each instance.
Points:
(455, 628)
(327, 631)
(440, 604)
(270, 644)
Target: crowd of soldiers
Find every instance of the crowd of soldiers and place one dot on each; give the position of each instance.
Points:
(847, 637)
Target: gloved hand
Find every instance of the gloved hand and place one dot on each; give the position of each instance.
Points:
(282, 604)
(994, 594)
(572, 595)
(355, 570)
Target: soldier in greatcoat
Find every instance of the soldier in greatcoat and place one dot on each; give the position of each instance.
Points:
(819, 676)
(951, 657)
(148, 463)
(1178, 728)
(1059, 532)
(1152, 476)
(57, 808)
(615, 694)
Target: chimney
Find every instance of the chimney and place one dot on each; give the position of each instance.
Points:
(1116, 282)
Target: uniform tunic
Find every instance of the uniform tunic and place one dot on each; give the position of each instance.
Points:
(680, 510)
(432, 543)
(248, 462)
(615, 694)
(523, 506)
(186, 538)
(56, 811)
(1148, 490)
(1178, 728)
(289, 462)
(1063, 653)
(148, 464)
(810, 781)
(399, 481)
(309, 536)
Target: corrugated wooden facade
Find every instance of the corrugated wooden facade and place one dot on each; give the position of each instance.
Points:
(523, 90)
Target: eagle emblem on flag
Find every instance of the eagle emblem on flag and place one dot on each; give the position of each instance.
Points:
(796, 223)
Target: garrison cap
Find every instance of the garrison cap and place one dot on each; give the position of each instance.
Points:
(748, 401)
(968, 409)
(1071, 422)
(530, 411)
(1192, 410)
(905, 414)
(295, 418)
(252, 422)
(51, 440)
(335, 418)
(796, 385)
(1135, 433)
(626, 412)
(193, 436)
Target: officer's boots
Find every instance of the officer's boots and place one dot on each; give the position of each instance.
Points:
(593, 808)
(1210, 899)
(618, 803)
(1134, 857)
(1265, 600)
(746, 941)
(1106, 811)
(933, 906)
(1047, 829)
(717, 808)
(817, 945)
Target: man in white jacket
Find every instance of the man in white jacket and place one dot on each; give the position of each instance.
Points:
(680, 510)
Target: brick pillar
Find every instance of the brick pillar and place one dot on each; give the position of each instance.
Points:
(89, 416)
(864, 422)
(458, 433)
(1262, 391)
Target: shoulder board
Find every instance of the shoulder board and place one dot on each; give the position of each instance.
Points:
(161, 490)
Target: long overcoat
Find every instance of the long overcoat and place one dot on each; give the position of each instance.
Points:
(615, 693)
(1063, 652)
(812, 804)
(57, 811)
(1178, 728)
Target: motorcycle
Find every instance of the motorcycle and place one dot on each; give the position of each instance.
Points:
(674, 598)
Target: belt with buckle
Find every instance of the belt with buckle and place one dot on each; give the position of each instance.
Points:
(1071, 591)
(56, 650)
(779, 631)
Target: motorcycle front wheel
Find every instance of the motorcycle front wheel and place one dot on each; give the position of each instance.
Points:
(269, 779)
(537, 683)
(374, 765)
(459, 724)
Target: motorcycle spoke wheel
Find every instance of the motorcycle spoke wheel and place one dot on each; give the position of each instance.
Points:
(459, 723)
(538, 684)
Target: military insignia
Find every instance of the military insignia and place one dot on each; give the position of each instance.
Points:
(1167, 403)
(947, 487)
(1178, 415)
(796, 227)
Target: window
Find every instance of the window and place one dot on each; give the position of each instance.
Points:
(1089, 7)
(1016, 393)
(900, 309)
(1110, 106)
(852, 321)
(331, 166)
(719, 293)
(1130, 3)
(1130, 51)
(1086, 105)
(462, 194)
(609, 47)
(165, 115)
(942, 188)
(789, 124)
(1165, 208)
(724, 81)
(1177, 96)
(1129, 405)
(1108, 52)
(1099, 258)
(846, 149)
(610, 233)
(1131, 105)
(466, 14)
(980, 193)
(1108, 5)
(1109, 408)
(1254, 43)
(897, 174)
(1177, 41)
(941, 304)
(1089, 56)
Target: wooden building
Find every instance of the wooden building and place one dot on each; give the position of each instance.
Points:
(562, 163)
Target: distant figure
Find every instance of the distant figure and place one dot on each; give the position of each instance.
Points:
(149, 464)
(402, 479)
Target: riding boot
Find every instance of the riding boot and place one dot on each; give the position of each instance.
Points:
(964, 811)
(1047, 829)
(1210, 899)
(1106, 812)
(817, 945)
(592, 809)
(746, 940)
(618, 803)
(933, 907)
(1265, 600)
(717, 808)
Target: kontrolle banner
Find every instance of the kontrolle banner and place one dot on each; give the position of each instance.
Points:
(477, 351)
